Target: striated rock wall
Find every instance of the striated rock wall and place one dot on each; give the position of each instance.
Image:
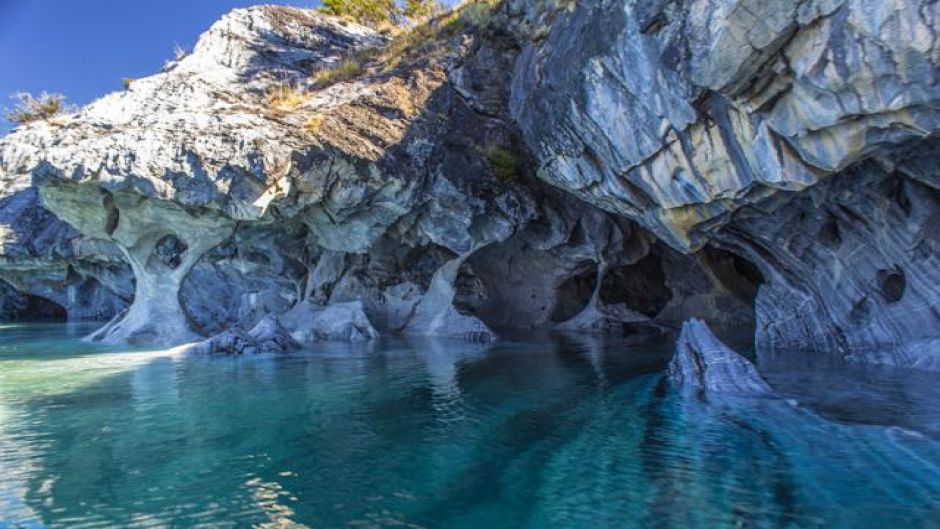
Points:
(851, 266)
(704, 365)
(397, 201)
(676, 113)
(599, 166)
(797, 135)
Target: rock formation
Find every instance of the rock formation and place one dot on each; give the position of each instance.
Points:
(703, 364)
(797, 135)
(47, 270)
(600, 166)
(236, 210)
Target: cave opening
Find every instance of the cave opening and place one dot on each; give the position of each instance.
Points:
(38, 308)
(574, 294)
(640, 286)
(892, 284)
(169, 250)
(738, 275)
(21, 306)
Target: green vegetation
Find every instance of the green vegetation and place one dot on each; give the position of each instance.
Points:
(344, 71)
(373, 13)
(409, 44)
(504, 163)
(478, 14)
(382, 14)
(31, 108)
(421, 9)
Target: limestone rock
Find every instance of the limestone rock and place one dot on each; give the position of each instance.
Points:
(46, 263)
(797, 135)
(704, 364)
(307, 323)
(385, 217)
(676, 113)
(604, 167)
(849, 267)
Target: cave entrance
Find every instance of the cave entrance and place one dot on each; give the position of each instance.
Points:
(574, 294)
(41, 309)
(738, 275)
(640, 286)
(20, 306)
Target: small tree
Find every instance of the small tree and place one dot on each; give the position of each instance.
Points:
(33, 108)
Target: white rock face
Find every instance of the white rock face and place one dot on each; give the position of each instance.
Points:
(183, 154)
(435, 314)
(198, 133)
(307, 323)
(731, 155)
(239, 220)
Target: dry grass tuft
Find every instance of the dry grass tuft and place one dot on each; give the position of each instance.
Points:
(344, 71)
(412, 44)
(478, 14)
(314, 124)
(286, 98)
(31, 108)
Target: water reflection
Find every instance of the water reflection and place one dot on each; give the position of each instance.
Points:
(567, 432)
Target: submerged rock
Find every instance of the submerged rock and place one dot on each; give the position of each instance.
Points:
(704, 364)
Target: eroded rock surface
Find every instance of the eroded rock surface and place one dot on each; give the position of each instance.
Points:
(797, 135)
(677, 113)
(851, 265)
(398, 201)
(604, 167)
(706, 365)
(47, 269)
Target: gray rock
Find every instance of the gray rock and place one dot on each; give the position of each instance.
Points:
(742, 162)
(385, 208)
(704, 364)
(676, 113)
(849, 267)
(795, 135)
(307, 323)
(435, 314)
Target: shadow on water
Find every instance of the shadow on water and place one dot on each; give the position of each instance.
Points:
(857, 393)
(567, 432)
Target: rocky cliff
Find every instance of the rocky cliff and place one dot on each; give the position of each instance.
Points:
(590, 167)
(800, 136)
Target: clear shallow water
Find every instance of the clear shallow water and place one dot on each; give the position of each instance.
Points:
(572, 433)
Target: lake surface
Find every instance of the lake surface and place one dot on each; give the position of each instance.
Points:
(569, 433)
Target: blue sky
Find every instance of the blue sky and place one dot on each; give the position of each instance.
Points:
(83, 48)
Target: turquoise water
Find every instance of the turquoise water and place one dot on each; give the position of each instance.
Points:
(563, 433)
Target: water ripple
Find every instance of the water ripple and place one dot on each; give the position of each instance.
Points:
(441, 434)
